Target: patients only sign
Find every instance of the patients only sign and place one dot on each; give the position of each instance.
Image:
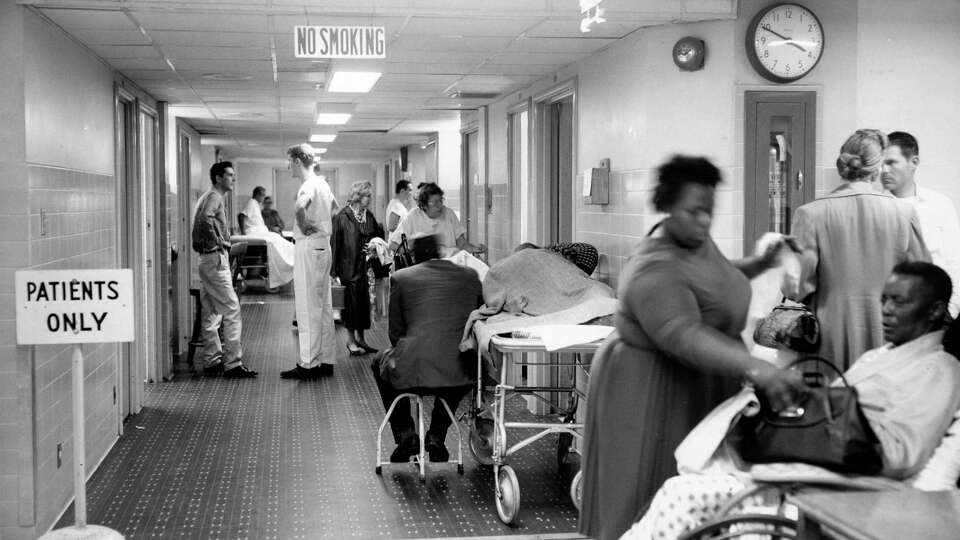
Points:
(340, 42)
(74, 306)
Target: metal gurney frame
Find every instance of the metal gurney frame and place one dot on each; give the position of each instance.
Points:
(253, 260)
(488, 443)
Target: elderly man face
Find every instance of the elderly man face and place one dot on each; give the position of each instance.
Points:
(909, 311)
(267, 203)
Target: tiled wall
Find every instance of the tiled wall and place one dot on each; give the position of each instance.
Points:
(77, 230)
(617, 227)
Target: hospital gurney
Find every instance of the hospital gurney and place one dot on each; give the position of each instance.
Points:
(488, 428)
(263, 259)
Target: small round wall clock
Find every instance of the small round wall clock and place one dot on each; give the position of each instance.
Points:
(784, 42)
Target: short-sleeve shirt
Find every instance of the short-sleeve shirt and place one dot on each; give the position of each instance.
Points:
(316, 197)
(254, 218)
(447, 227)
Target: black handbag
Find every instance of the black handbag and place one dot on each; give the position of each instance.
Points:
(789, 326)
(402, 258)
(828, 429)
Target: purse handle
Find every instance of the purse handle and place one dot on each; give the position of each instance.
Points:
(822, 360)
(799, 411)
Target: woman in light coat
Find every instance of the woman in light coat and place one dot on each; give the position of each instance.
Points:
(851, 239)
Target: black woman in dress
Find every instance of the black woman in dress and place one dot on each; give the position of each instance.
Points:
(675, 354)
(353, 228)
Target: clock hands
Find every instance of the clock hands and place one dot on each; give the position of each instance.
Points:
(788, 41)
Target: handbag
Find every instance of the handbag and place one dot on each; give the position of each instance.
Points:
(789, 326)
(827, 429)
(402, 258)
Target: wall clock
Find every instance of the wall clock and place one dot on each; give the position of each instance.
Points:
(784, 42)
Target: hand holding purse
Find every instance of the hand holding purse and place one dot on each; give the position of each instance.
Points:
(827, 429)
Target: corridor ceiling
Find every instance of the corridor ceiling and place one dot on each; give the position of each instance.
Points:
(228, 67)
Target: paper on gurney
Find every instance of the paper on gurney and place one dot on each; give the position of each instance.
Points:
(560, 336)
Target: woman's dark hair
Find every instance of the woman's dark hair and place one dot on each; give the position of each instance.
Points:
(673, 175)
(401, 185)
(426, 191)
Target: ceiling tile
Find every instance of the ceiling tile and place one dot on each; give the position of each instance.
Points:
(201, 21)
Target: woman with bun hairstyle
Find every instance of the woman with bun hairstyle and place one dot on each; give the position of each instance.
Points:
(851, 238)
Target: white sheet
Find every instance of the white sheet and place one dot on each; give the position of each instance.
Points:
(280, 255)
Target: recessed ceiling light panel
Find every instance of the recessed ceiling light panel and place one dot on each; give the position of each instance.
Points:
(353, 81)
(227, 76)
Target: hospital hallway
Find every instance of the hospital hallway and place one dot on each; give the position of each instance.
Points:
(266, 458)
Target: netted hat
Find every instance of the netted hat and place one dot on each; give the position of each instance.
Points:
(581, 254)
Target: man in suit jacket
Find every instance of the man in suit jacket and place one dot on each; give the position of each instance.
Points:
(429, 306)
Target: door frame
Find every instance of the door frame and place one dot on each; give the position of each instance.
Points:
(540, 156)
(129, 245)
(808, 98)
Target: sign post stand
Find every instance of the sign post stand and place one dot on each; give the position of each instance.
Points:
(79, 442)
(75, 307)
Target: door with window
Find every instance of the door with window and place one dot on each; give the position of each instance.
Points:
(779, 160)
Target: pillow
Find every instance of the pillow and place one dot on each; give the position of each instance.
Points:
(942, 470)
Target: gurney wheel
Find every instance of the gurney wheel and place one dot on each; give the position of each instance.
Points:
(270, 289)
(576, 490)
(508, 496)
(481, 441)
(379, 470)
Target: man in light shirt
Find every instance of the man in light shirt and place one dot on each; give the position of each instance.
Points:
(399, 206)
(938, 215)
(251, 219)
(311, 283)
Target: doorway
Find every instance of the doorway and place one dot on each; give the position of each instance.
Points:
(555, 115)
(473, 191)
(131, 253)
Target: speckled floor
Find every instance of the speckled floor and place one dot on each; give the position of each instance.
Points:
(210, 458)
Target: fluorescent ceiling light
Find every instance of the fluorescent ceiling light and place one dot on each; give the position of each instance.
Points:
(353, 81)
(333, 114)
(323, 137)
(332, 119)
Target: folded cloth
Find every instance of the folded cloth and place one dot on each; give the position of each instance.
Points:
(382, 250)
(702, 450)
(559, 336)
(482, 326)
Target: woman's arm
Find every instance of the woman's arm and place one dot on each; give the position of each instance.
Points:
(666, 308)
(468, 247)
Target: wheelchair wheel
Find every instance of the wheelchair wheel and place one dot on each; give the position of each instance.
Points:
(481, 441)
(508, 495)
(576, 490)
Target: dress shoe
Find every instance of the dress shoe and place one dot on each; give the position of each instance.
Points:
(409, 446)
(301, 373)
(324, 370)
(357, 351)
(366, 348)
(239, 372)
(215, 369)
(436, 449)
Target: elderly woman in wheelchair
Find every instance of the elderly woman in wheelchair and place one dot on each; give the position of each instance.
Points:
(908, 391)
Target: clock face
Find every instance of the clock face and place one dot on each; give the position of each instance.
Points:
(784, 42)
